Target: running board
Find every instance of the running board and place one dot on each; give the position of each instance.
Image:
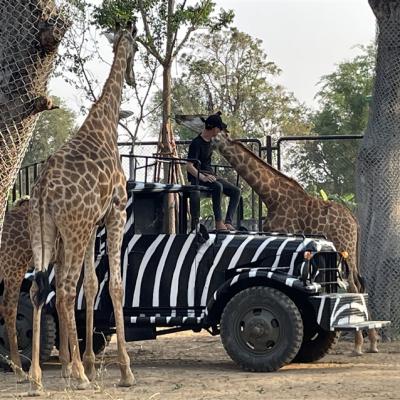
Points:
(358, 326)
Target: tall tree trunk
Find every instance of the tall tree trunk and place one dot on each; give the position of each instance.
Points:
(378, 174)
(29, 36)
(167, 145)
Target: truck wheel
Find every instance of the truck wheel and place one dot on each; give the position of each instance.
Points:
(24, 333)
(261, 329)
(316, 345)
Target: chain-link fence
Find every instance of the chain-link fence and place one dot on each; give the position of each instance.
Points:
(378, 175)
(30, 32)
(288, 155)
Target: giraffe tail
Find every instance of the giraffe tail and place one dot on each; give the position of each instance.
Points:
(43, 288)
(42, 245)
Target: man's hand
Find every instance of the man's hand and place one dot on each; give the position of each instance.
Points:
(207, 178)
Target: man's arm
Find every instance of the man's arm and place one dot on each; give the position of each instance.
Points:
(202, 177)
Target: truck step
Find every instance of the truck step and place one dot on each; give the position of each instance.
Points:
(357, 326)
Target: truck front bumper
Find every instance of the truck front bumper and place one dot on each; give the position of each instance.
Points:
(344, 312)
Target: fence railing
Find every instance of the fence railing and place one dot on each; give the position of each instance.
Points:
(28, 174)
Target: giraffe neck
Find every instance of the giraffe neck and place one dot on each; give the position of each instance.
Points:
(106, 109)
(271, 185)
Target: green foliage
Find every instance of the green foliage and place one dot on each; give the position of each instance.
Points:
(51, 131)
(166, 27)
(162, 23)
(114, 11)
(227, 71)
(344, 106)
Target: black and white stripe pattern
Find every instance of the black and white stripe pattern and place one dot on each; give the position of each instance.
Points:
(170, 278)
(341, 310)
(179, 276)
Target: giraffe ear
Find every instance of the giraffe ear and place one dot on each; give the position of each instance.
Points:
(117, 26)
(110, 36)
(131, 27)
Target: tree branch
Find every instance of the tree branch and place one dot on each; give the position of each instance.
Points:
(149, 46)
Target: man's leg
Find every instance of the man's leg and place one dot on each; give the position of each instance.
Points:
(216, 195)
(233, 192)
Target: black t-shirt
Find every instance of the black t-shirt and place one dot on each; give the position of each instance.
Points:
(201, 150)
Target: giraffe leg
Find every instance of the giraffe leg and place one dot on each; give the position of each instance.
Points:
(42, 250)
(10, 306)
(77, 366)
(73, 260)
(358, 339)
(35, 371)
(358, 343)
(90, 288)
(64, 352)
(115, 228)
(373, 341)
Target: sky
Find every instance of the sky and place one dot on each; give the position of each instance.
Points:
(305, 38)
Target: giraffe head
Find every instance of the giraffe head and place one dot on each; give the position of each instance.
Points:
(126, 37)
(222, 140)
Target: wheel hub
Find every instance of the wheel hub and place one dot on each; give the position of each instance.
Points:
(259, 330)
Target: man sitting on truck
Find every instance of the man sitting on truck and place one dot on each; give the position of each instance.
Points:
(200, 149)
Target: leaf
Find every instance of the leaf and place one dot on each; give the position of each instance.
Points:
(323, 195)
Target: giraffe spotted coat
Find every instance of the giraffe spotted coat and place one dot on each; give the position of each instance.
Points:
(15, 259)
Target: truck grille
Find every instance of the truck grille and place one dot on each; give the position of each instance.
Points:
(325, 271)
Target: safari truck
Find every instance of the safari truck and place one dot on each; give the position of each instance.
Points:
(273, 298)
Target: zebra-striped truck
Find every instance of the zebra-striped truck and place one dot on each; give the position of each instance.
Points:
(273, 298)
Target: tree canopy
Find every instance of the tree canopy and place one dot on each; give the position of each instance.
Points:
(52, 129)
(227, 71)
(344, 106)
(166, 27)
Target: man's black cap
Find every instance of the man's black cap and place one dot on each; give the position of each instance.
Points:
(215, 121)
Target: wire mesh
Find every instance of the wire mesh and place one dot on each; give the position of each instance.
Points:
(378, 175)
(30, 32)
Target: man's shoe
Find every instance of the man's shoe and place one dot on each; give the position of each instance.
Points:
(230, 227)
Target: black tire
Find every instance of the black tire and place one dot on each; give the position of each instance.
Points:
(316, 345)
(24, 332)
(261, 329)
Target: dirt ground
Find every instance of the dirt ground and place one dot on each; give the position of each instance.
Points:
(195, 366)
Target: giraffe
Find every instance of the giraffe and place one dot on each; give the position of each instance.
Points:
(83, 186)
(15, 258)
(291, 210)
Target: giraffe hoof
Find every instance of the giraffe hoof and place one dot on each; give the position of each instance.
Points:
(22, 378)
(128, 381)
(373, 350)
(356, 353)
(83, 385)
(35, 392)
